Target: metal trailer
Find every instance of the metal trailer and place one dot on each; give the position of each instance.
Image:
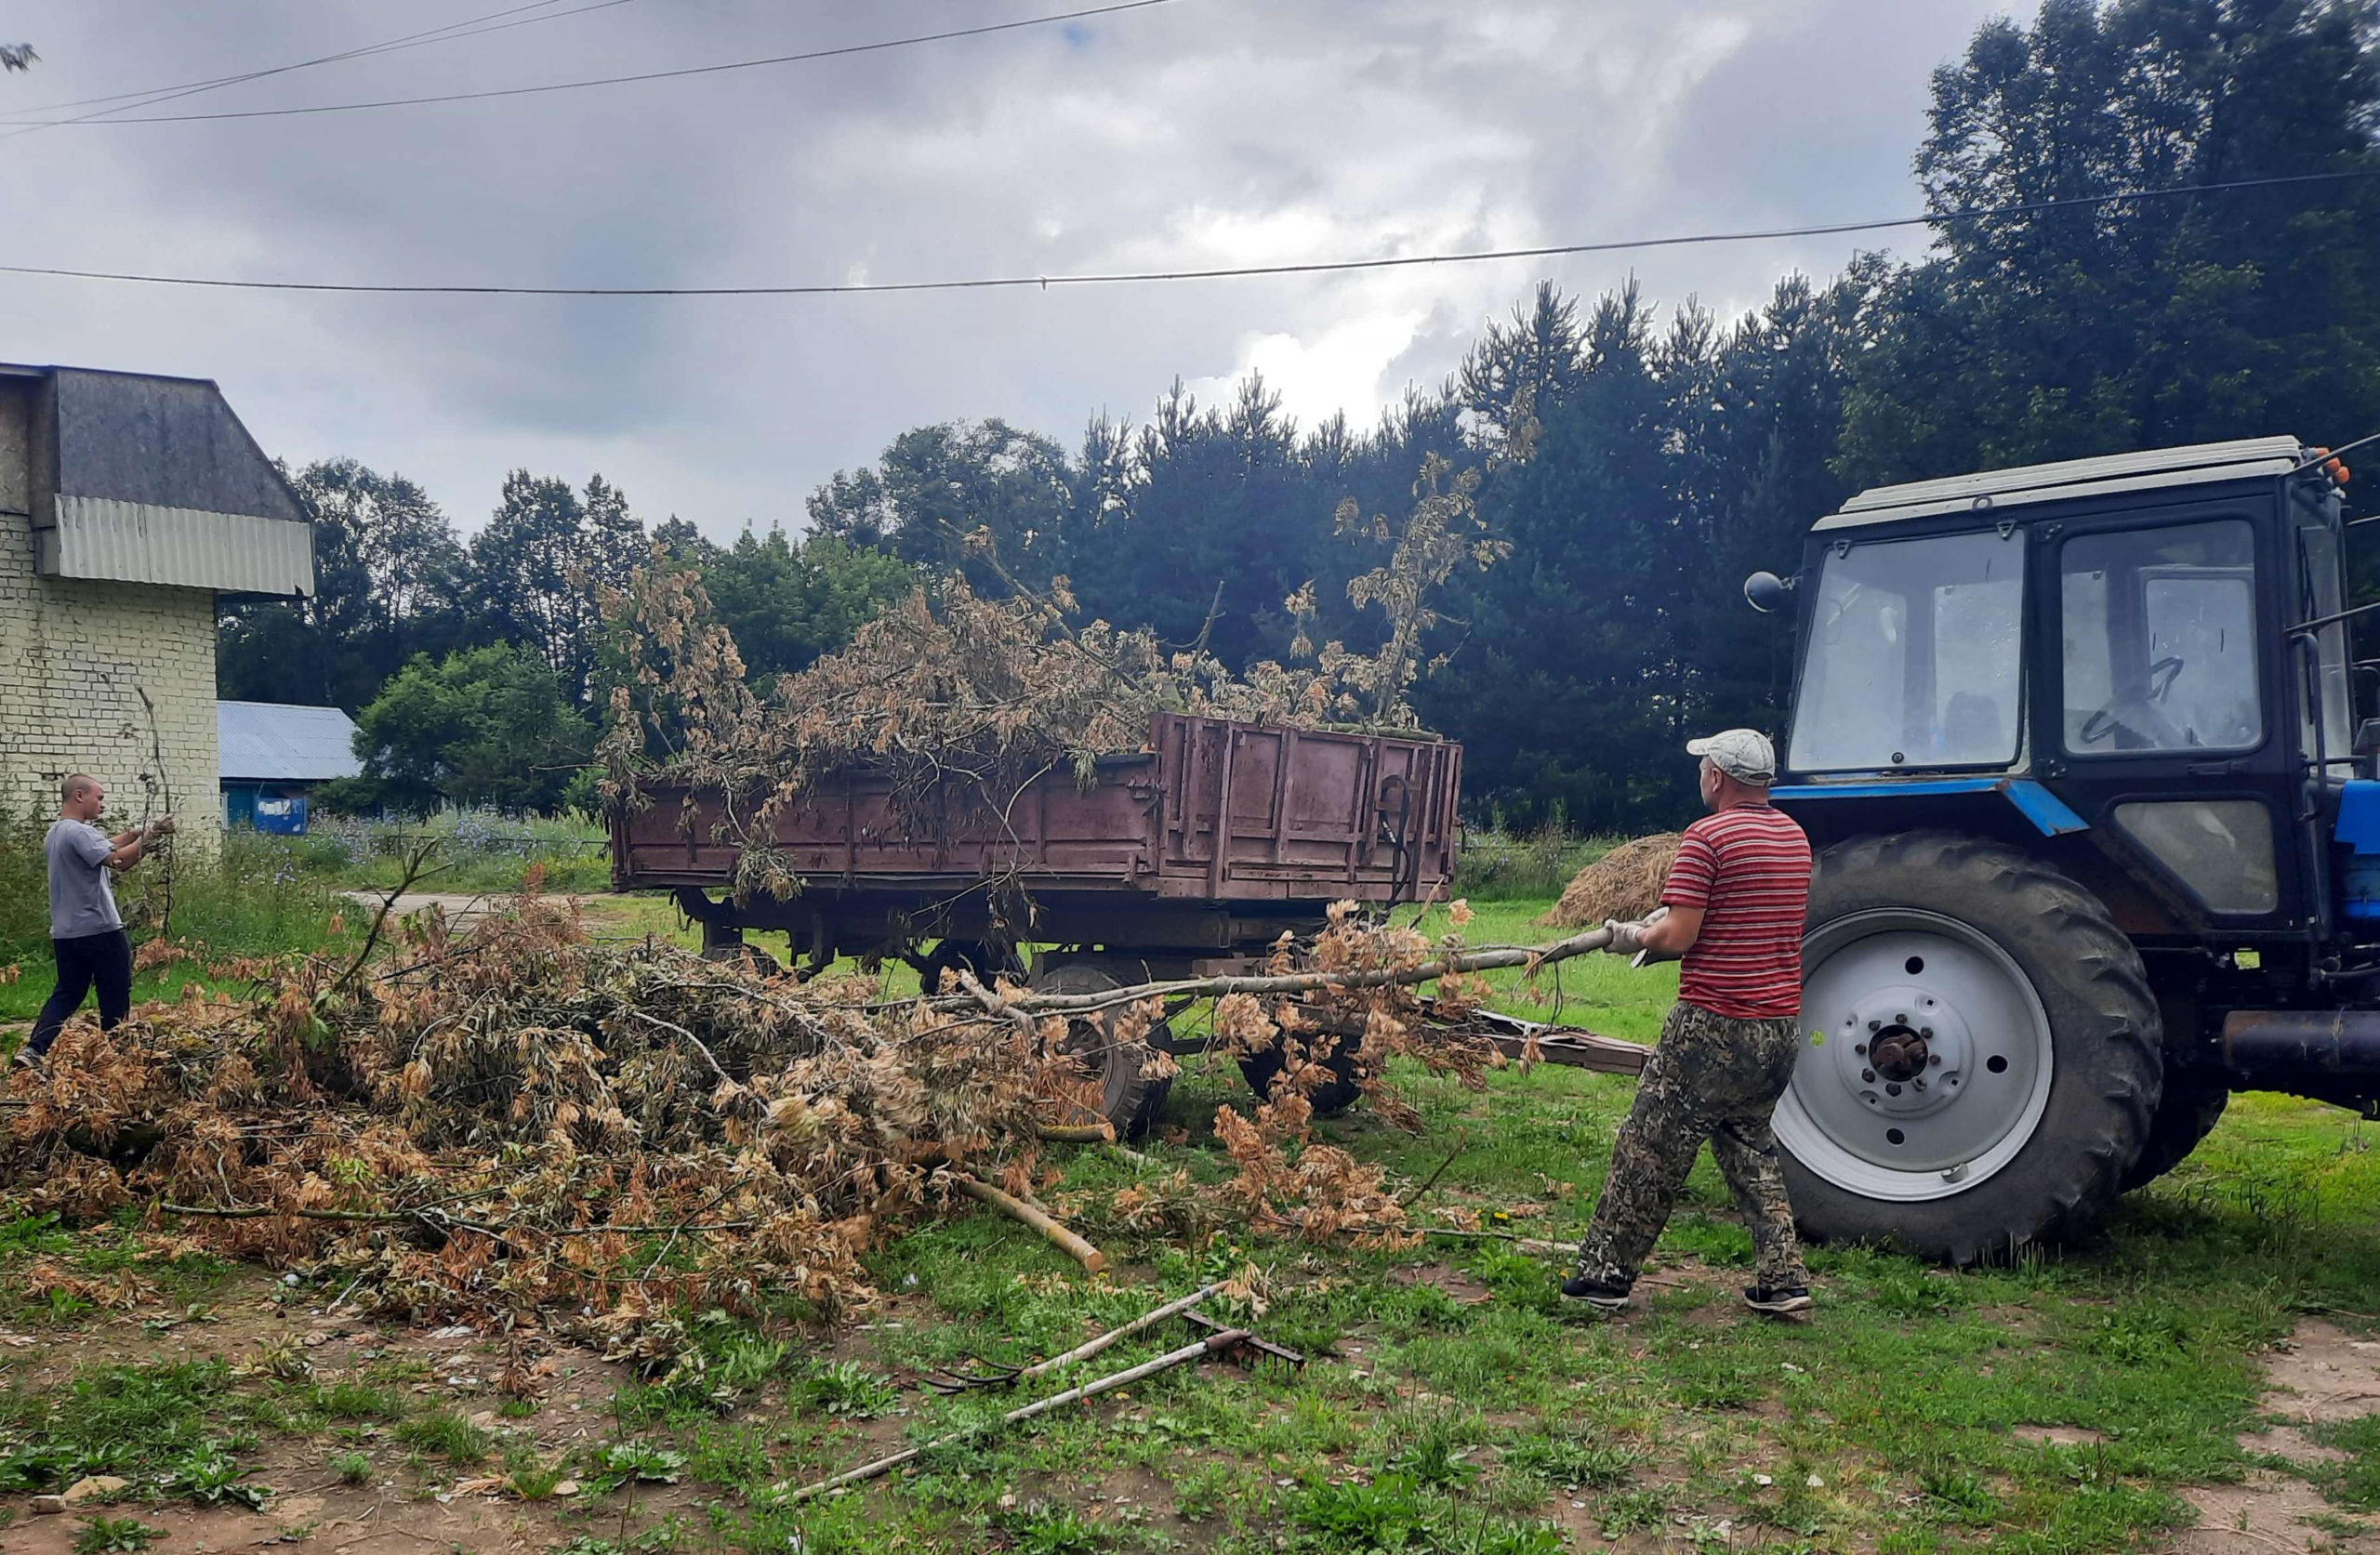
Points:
(2099, 838)
(1200, 849)
(1124, 880)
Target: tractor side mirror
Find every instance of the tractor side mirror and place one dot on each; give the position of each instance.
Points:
(1768, 593)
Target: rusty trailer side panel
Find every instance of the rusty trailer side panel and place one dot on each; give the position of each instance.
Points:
(1212, 811)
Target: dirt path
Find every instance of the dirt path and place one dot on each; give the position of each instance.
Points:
(2322, 1375)
(462, 908)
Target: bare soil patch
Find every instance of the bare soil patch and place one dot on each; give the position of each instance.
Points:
(2323, 1374)
(2268, 1512)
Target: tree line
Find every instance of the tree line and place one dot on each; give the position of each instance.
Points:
(1667, 452)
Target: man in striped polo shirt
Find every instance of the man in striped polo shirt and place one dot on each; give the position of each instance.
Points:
(1732, 911)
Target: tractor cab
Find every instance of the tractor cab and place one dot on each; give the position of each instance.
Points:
(2074, 744)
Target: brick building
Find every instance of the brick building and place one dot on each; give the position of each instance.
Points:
(127, 504)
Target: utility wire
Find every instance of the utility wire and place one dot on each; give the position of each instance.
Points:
(1116, 278)
(844, 52)
(470, 27)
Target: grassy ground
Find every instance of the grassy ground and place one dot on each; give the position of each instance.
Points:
(264, 895)
(247, 902)
(475, 851)
(1450, 1403)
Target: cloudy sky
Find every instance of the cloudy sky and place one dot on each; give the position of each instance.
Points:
(1188, 134)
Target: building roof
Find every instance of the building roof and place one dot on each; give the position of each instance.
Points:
(272, 742)
(139, 477)
(2195, 465)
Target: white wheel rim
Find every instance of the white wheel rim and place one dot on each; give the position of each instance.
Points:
(1926, 1058)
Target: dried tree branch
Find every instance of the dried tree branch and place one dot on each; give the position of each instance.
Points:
(1035, 1216)
(1030, 1003)
(1188, 1352)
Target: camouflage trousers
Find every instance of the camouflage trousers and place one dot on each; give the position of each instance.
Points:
(1713, 1078)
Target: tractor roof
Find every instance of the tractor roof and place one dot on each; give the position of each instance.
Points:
(2196, 465)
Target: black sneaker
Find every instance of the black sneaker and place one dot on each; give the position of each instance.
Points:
(26, 1060)
(1777, 1298)
(1610, 1295)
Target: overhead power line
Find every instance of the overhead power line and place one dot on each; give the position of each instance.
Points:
(1119, 277)
(844, 52)
(470, 27)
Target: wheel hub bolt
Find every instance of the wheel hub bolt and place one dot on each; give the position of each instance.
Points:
(1861, 1049)
(1934, 1060)
(1869, 1076)
(1925, 1031)
(1875, 1025)
(1919, 1084)
(1892, 1089)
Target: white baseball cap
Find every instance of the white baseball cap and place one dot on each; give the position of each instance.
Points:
(1743, 754)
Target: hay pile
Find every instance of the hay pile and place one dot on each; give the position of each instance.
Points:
(1625, 883)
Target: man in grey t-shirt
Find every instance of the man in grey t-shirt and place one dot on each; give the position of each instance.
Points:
(86, 931)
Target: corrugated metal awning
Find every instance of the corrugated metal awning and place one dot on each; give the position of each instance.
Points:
(178, 547)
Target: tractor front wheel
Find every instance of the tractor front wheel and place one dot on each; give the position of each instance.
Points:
(1980, 1055)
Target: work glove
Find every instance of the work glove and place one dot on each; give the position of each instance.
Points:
(1628, 938)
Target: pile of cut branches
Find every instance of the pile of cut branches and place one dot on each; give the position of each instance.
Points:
(520, 1116)
(488, 1124)
(962, 701)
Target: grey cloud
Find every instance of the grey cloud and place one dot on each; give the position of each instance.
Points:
(1203, 132)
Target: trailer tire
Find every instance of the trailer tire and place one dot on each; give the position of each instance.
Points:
(1334, 1095)
(2187, 1113)
(2038, 1031)
(969, 955)
(1130, 1098)
(753, 955)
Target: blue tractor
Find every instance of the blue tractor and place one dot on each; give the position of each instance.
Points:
(2099, 840)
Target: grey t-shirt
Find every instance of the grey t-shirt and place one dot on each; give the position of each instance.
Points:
(80, 902)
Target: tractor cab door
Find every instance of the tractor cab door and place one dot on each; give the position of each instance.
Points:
(2322, 687)
(2167, 722)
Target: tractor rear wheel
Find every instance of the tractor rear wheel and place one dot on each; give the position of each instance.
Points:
(2187, 1113)
(1130, 1099)
(1981, 1058)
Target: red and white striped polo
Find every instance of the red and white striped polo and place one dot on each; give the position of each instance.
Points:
(1748, 869)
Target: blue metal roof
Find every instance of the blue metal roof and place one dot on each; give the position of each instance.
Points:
(273, 742)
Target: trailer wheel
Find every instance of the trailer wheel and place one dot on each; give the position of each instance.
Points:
(1131, 1100)
(753, 955)
(1334, 1095)
(1981, 1055)
(2187, 1113)
(969, 955)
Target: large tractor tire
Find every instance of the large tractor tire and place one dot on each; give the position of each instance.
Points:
(1131, 1100)
(1981, 1058)
(2187, 1113)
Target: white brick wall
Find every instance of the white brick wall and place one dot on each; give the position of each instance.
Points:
(75, 657)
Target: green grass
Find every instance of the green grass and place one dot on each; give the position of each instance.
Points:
(247, 901)
(476, 852)
(1451, 1402)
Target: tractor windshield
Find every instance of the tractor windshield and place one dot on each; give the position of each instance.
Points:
(1915, 655)
(2161, 639)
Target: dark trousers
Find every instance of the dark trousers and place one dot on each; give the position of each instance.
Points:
(84, 962)
(1716, 1078)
